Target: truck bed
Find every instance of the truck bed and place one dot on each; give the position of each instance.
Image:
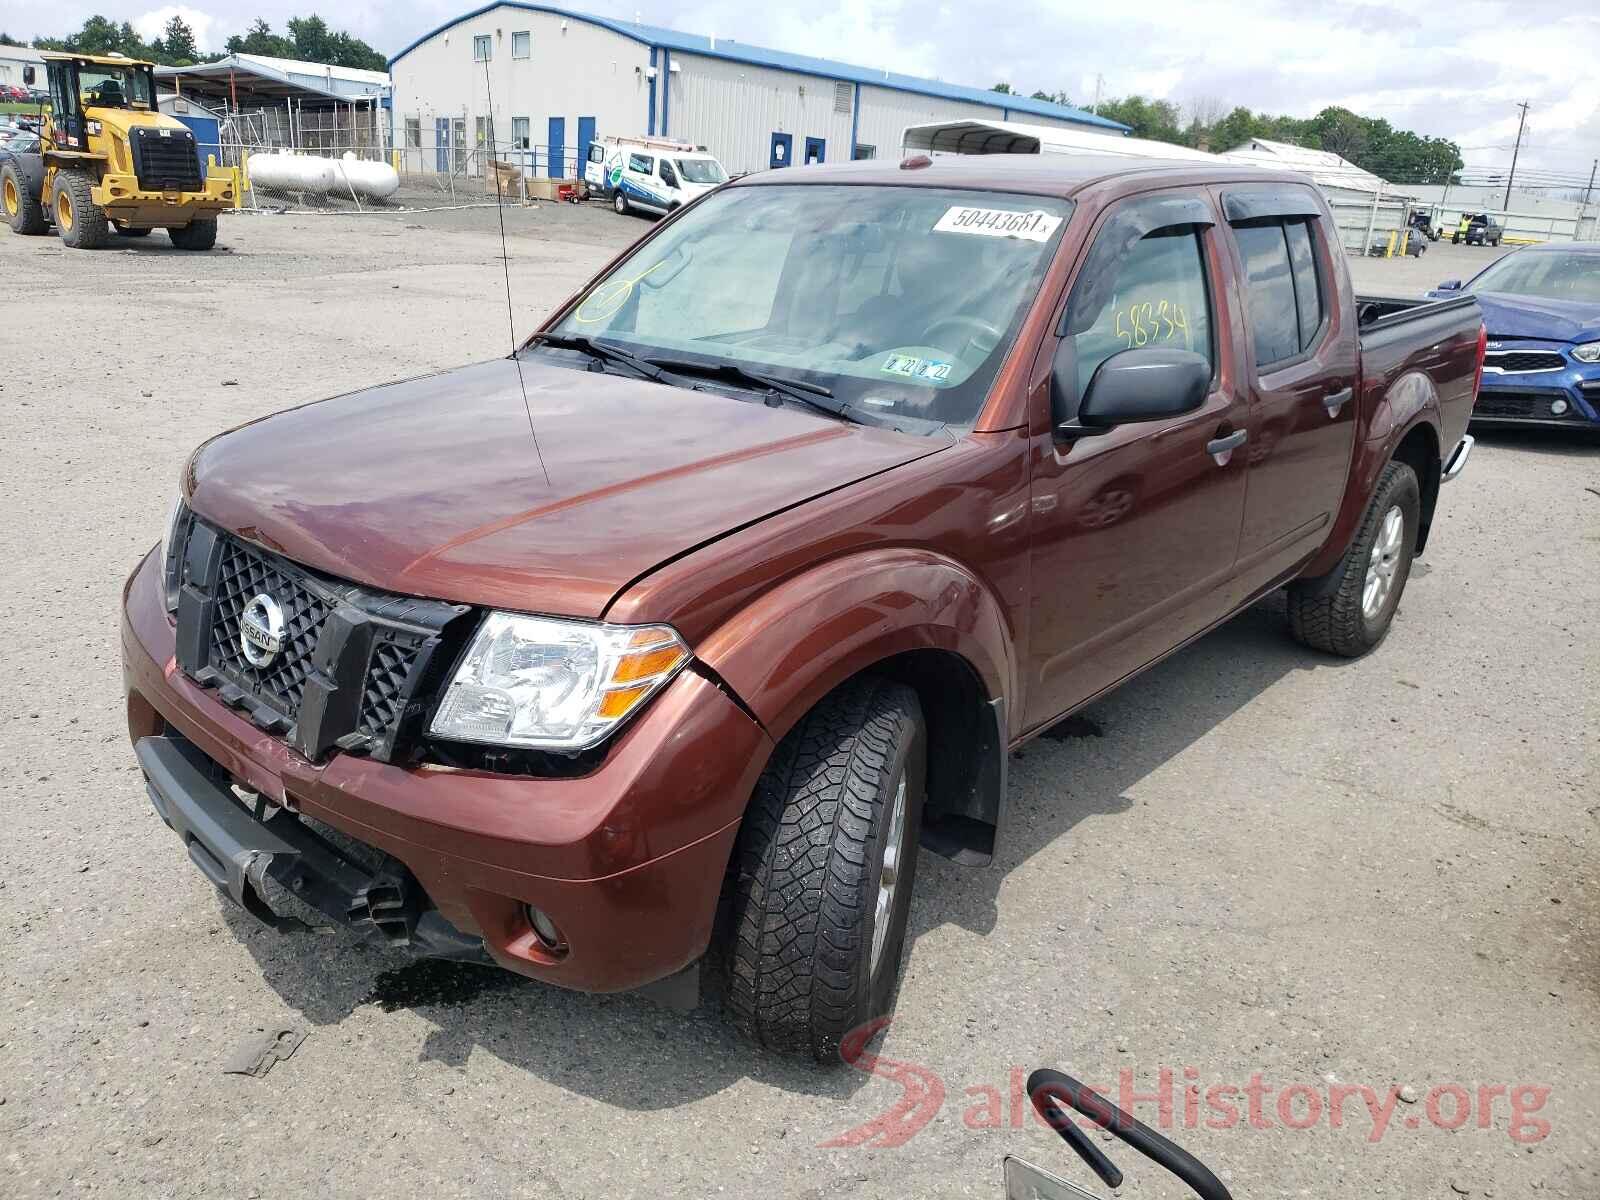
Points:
(1438, 338)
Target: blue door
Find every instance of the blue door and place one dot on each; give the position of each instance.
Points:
(207, 138)
(441, 145)
(816, 149)
(585, 140)
(782, 150)
(558, 147)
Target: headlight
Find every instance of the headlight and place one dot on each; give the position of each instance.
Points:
(548, 684)
(172, 547)
(1589, 352)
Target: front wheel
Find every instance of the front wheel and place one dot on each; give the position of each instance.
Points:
(823, 872)
(199, 234)
(620, 203)
(1349, 611)
(79, 220)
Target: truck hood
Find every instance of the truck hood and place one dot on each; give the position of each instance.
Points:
(432, 486)
(1509, 316)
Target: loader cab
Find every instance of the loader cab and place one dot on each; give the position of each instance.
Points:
(79, 84)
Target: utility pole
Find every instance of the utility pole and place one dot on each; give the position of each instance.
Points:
(1099, 82)
(1590, 188)
(1515, 150)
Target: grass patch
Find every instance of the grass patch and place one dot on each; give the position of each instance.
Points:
(16, 106)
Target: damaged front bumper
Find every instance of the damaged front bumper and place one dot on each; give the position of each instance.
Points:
(280, 870)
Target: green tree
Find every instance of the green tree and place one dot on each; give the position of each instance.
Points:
(176, 45)
(260, 39)
(1003, 88)
(309, 39)
(1052, 98)
(1146, 118)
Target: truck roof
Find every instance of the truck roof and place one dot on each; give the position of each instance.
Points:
(1041, 174)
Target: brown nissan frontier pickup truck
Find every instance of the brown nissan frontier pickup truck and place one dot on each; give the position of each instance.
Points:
(689, 626)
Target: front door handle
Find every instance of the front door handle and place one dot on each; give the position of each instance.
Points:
(1334, 401)
(1222, 448)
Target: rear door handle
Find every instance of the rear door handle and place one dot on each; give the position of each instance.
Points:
(1221, 448)
(1334, 401)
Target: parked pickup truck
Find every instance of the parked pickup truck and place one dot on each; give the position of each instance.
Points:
(739, 583)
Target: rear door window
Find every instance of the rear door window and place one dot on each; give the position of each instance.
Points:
(1283, 287)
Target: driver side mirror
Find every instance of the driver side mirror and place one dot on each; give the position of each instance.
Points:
(29, 75)
(1449, 285)
(1151, 383)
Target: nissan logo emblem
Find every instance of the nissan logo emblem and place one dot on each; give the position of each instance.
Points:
(261, 630)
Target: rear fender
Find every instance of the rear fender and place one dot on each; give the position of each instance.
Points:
(1411, 401)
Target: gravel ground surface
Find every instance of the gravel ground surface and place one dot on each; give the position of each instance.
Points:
(1253, 861)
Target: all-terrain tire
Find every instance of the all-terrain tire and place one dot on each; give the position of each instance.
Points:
(199, 234)
(808, 868)
(79, 220)
(1329, 613)
(23, 211)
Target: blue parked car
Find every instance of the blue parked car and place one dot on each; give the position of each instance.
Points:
(1542, 309)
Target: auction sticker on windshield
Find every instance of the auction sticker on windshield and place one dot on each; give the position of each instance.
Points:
(916, 368)
(1033, 225)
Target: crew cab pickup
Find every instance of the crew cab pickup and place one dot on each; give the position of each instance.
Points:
(735, 587)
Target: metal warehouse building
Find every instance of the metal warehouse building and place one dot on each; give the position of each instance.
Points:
(562, 79)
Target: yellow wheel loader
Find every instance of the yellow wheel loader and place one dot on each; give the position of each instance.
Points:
(110, 163)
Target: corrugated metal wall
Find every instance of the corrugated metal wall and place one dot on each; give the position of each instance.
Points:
(733, 109)
(577, 69)
(581, 70)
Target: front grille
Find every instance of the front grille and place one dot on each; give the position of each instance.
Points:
(1518, 361)
(244, 574)
(353, 667)
(165, 160)
(1535, 406)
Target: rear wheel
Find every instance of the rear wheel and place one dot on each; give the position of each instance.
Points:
(23, 211)
(1350, 611)
(199, 234)
(79, 220)
(824, 870)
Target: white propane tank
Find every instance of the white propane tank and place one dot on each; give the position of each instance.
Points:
(292, 173)
(372, 180)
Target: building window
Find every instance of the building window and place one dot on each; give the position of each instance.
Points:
(520, 44)
(483, 129)
(482, 48)
(413, 133)
(519, 133)
(864, 152)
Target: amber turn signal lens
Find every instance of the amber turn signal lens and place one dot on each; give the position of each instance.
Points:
(647, 664)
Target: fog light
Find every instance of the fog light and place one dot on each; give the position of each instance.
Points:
(545, 930)
(1557, 407)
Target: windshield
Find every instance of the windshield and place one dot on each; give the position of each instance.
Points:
(701, 170)
(901, 301)
(1549, 275)
(113, 87)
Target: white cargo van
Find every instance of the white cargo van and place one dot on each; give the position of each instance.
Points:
(650, 174)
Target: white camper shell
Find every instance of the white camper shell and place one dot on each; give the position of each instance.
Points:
(650, 174)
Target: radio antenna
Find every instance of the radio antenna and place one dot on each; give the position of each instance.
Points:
(505, 262)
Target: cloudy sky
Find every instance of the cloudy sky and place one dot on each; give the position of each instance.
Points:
(1455, 69)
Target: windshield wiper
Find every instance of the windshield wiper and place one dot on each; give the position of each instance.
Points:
(603, 351)
(812, 395)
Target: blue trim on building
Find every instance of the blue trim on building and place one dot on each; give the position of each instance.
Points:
(666, 91)
(651, 130)
(855, 121)
(655, 36)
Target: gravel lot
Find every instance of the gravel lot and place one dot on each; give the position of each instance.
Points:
(1253, 860)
